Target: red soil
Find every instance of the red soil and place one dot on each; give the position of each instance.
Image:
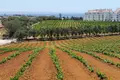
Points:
(47, 43)
(9, 68)
(115, 60)
(40, 44)
(111, 72)
(6, 55)
(42, 68)
(72, 69)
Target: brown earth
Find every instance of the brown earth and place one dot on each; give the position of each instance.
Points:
(72, 69)
(36, 44)
(115, 60)
(111, 72)
(4, 55)
(42, 68)
(1, 51)
(41, 44)
(9, 68)
(47, 44)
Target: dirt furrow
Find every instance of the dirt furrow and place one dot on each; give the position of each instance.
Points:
(111, 72)
(6, 55)
(9, 68)
(116, 60)
(1, 51)
(42, 68)
(72, 69)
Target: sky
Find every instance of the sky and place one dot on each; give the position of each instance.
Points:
(59, 6)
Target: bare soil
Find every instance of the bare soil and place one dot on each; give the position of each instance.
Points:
(72, 69)
(111, 72)
(9, 68)
(6, 55)
(115, 60)
(42, 68)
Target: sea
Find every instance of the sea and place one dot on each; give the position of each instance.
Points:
(42, 14)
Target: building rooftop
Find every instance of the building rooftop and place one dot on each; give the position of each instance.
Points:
(118, 10)
(100, 10)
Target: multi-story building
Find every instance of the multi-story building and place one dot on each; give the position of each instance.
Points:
(102, 15)
(116, 15)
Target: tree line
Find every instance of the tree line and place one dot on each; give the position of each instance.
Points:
(67, 29)
(53, 28)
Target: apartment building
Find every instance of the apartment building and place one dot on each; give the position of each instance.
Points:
(102, 15)
(116, 15)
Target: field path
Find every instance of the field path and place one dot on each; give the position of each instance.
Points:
(9, 68)
(42, 68)
(72, 69)
(112, 73)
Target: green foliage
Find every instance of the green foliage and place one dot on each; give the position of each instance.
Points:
(85, 63)
(53, 28)
(27, 64)
(20, 34)
(14, 55)
(87, 50)
(8, 50)
(12, 26)
(64, 29)
(57, 64)
(17, 27)
(81, 59)
(3, 60)
(101, 75)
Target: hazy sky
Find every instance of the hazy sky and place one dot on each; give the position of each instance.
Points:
(66, 6)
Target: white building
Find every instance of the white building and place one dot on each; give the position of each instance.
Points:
(116, 15)
(102, 15)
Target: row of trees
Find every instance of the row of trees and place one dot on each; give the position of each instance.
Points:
(22, 24)
(50, 28)
(19, 26)
(75, 29)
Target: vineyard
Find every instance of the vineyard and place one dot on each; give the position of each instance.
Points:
(95, 58)
(71, 29)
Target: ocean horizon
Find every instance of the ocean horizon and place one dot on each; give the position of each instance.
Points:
(42, 14)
